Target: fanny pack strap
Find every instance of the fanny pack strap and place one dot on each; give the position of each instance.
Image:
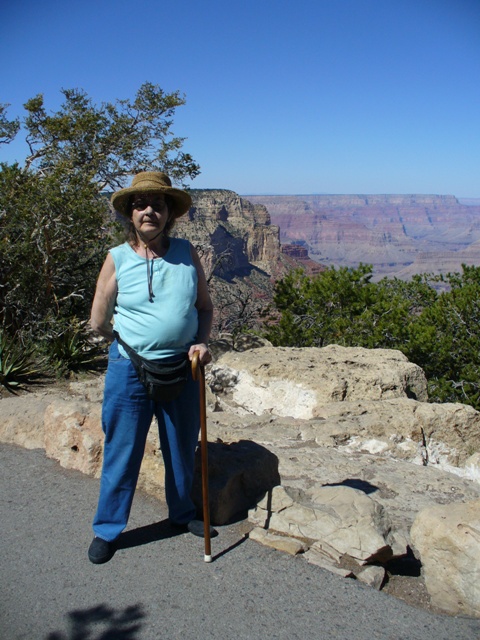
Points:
(133, 355)
(153, 367)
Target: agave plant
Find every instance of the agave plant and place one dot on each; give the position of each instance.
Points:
(17, 366)
(72, 348)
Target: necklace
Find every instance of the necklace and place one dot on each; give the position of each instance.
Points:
(149, 263)
(151, 295)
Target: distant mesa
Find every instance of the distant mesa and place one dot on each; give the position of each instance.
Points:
(295, 251)
(399, 235)
(299, 253)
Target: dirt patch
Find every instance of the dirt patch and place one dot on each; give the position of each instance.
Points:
(411, 590)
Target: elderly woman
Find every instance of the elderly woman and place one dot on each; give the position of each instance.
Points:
(154, 288)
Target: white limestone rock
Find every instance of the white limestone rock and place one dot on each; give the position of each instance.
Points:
(447, 540)
(343, 519)
(297, 382)
(372, 575)
(281, 543)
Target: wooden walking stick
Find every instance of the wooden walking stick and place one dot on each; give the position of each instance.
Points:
(198, 373)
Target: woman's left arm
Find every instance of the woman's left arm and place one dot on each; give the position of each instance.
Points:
(205, 313)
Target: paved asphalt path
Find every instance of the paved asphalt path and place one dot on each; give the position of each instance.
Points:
(158, 586)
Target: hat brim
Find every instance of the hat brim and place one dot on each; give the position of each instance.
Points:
(181, 199)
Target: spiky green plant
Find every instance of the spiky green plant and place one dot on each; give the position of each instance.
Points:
(17, 364)
(72, 349)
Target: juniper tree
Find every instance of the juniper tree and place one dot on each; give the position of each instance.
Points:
(55, 221)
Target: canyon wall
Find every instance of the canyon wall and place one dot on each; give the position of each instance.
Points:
(241, 254)
(398, 234)
(233, 235)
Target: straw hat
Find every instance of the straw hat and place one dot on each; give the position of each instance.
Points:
(152, 182)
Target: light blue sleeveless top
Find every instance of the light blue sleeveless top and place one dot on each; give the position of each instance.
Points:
(167, 325)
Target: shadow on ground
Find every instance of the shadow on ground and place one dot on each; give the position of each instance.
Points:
(102, 623)
(147, 534)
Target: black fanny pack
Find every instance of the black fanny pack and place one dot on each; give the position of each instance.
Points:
(163, 382)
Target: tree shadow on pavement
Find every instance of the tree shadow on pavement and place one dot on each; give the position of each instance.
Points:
(102, 623)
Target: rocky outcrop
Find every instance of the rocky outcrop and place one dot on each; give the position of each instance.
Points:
(235, 234)
(447, 540)
(337, 520)
(335, 451)
(398, 234)
(355, 472)
(241, 254)
(298, 382)
(300, 254)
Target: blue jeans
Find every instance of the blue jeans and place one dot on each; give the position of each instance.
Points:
(126, 417)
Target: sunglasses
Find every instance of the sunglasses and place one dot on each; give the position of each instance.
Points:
(157, 204)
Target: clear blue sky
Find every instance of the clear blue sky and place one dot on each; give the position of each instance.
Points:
(287, 97)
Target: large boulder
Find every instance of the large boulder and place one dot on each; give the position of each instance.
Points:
(340, 520)
(21, 421)
(298, 382)
(447, 540)
(239, 475)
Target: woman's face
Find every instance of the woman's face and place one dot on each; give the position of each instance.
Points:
(149, 214)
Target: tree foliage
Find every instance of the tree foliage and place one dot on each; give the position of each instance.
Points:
(445, 339)
(110, 141)
(343, 306)
(433, 320)
(53, 240)
(8, 128)
(55, 221)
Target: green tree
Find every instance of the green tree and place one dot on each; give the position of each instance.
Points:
(445, 339)
(394, 310)
(55, 220)
(53, 240)
(314, 311)
(340, 306)
(110, 141)
(8, 128)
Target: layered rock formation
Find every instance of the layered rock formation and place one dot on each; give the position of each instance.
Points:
(241, 253)
(398, 234)
(223, 224)
(363, 458)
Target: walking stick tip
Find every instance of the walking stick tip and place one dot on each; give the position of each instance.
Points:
(207, 558)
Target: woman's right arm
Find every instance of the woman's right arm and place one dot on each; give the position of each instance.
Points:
(104, 300)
